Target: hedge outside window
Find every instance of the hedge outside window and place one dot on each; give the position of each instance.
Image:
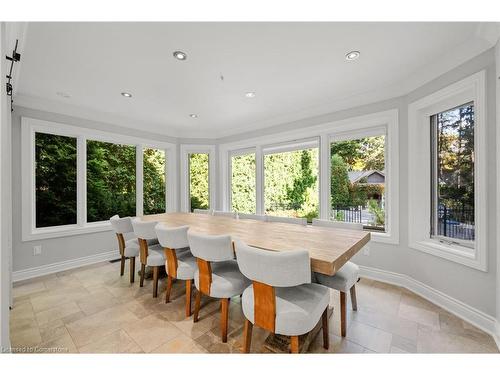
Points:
(199, 181)
(111, 180)
(55, 180)
(154, 182)
(243, 183)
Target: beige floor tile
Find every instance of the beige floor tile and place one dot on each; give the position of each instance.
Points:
(396, 350)
(152, 331)
(433, 341)
(414, 300)
(405, 344)
(53, 330)
(180, 344)
(337, 345)
(116, 342)
(369, 337)
(388, 322)
(29, 337)
(419, 315)
(28, 288)
(195, 330)
(53, 298)
(58, 312)
(61, 344)
(96, 326)
(95, 302)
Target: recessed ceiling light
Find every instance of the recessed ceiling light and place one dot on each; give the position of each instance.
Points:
(63, 94)
(193, 115)
(250, 95)
(353, 55)
(179, 55)
(127, 94)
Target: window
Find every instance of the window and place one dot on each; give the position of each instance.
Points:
(154, 186)
(199, 191)
(357, 188)
(110, 180)
(243, 198)
(447, 186)
(291, 183)
(55, 180)
(452, 175)
(74, 179)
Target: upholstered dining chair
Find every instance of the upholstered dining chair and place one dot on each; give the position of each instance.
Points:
(282, 298)
(289, 220)
(242, 215)
(200, 211)
(181, 264)
(218, 275)
(345, 278)
(128, 248)
(225, 213)
(152, 256)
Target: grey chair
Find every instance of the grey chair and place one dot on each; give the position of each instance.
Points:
(200, 211)
(128, 248)
(150, 255)
(225, 213)
(288, 220)
(282, 298)
(181, 264)
(242, 215)
(218, 274)
(345, 278)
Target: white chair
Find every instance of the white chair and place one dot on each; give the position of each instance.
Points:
(225, 213)
(152, 256)
(218, 274)
(181, 264)
(242, 215)
(345, 278)
(282, 298)
(128, 249)
(288, 220)
(200, 211)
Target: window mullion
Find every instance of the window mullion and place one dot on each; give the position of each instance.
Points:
(259, 181)
(139, 175)
(81, 185)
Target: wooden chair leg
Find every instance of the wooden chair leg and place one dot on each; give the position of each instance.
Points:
(155, 281)
(294, 344)
(132, 269)
(354, 301)
(224, 318)
(143, 272)
(247, 336)
(197, 306)
(122, 265)
(188, 298)
(324, 321)
(342, 314)
(169, 289)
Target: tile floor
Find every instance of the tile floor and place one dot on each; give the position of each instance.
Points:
(94, 310)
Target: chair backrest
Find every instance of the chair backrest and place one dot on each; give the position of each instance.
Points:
(337, 224)
(144, 229)
(252, 216)
(172, 238)
(225, 213)
(121, 225)
(289, 220)
(277, 269)
(200, 211)
(211, 248)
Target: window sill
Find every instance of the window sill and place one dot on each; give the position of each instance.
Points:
(459, 254)
(384, 238)
(66, 231)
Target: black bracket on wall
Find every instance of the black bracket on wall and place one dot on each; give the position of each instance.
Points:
(16, 57)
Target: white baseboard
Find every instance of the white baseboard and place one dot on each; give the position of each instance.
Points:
(63, 266)
(468, 313)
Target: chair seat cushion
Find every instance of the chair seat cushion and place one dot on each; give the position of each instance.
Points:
(156, 256)
(186, 265)
(298, 308)
(132, 248)
(343, 280)
(227, 280)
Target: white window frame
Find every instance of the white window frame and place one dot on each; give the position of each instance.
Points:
(470, 89)
(186, 150)
(387, 120)
(30, 126)
(246, 151)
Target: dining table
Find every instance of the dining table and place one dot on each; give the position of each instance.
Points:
(329, 248)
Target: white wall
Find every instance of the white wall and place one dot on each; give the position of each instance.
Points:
(472, 287)
(497, 59)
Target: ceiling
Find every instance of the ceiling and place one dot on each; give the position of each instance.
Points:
(296, 70)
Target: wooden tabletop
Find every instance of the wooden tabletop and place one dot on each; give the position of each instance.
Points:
(329, 248)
